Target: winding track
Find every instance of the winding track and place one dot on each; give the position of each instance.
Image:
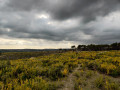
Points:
(69, 83)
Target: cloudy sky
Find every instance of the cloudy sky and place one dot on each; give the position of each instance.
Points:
(58, 23)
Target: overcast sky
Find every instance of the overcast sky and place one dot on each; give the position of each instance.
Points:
(58, 23)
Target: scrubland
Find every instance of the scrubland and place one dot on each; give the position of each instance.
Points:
(85, 70)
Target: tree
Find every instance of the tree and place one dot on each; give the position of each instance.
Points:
(74, 48)
(115, 46)
(0, 53)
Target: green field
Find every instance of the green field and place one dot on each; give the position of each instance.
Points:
(85, 70)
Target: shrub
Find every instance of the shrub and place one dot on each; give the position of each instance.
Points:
(1, 86)
(89, 74)
(99, 82)
(65, 72)
(111, 86)
(108, 68)
(79, 83)
(106, 84)
(77, 74)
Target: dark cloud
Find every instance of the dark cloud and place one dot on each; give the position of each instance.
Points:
(64, 9)
(88, 9)
(21, 19)
(26, 5)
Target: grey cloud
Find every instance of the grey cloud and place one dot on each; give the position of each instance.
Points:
(19, 17)
(64, 9)
(25, 5)
(88, 9)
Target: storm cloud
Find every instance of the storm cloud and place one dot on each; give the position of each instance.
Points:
(64, 9)
(78, 21)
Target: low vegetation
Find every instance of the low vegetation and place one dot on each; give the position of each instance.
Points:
(98, 70)
(23, 55)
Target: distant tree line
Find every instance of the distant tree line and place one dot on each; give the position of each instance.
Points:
(0, 53)
(93, 47)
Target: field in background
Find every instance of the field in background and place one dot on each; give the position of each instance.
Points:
(11, 55)
(84, 70)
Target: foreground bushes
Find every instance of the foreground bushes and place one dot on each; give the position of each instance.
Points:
(106, 83)
(107, 64)
(37, 73)
(43, 72)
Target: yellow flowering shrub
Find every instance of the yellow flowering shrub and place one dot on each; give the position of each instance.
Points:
(65, 72)
(108, 67)
(30, 73)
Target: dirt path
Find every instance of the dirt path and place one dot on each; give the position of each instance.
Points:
(69, 82)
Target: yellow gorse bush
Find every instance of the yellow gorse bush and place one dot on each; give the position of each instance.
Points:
(108, 67)
(65, 72)
(37, 73)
